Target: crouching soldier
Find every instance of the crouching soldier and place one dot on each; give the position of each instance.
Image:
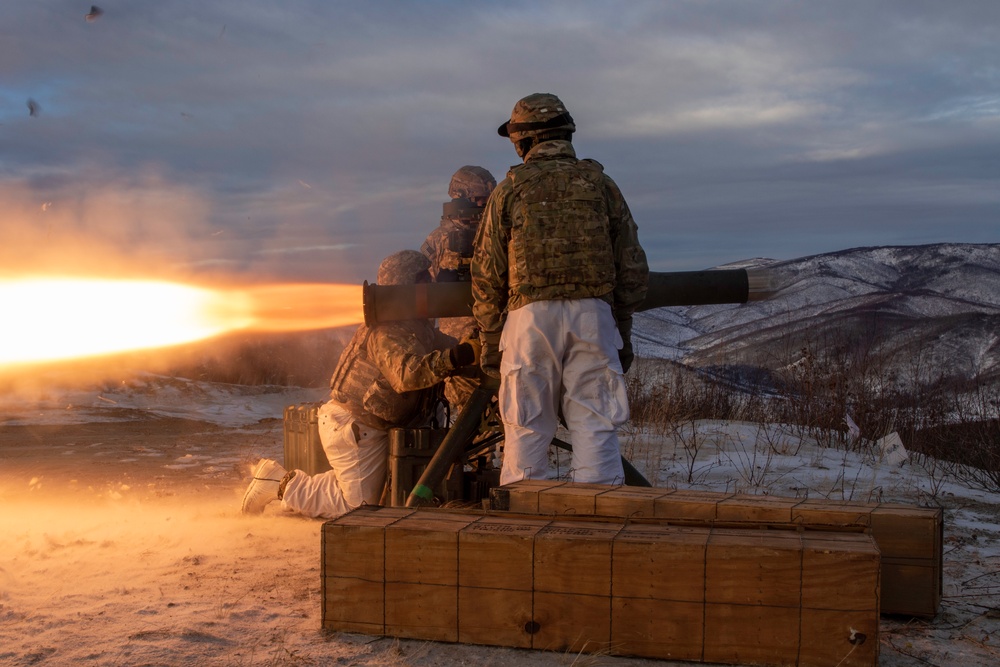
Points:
(387, 377)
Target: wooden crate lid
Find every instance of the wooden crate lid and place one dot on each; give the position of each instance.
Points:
(504, 525)
(848, 543)
(903, 531)
(372, 516)
(887, 510)
(521, 496)
(658, 534)
(583, 529)
(434, 520)
(689, 504)
(745, 507)
(572, 498)
(630, 501)
(781, 540)
(833, 513)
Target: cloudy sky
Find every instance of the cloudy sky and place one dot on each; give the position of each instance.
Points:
(307, 139)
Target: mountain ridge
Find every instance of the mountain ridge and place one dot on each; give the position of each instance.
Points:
(934, 305)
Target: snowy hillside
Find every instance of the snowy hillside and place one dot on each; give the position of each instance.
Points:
(938, 305)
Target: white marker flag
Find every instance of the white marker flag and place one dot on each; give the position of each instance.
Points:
(892, 449)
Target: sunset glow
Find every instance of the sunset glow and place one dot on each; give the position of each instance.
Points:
(52, 319)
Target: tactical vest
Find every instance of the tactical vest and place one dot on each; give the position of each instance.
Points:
(560, 234)
(358, 384)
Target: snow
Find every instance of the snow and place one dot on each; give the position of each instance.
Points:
(149, 395)
(944, 296)
(122, 540)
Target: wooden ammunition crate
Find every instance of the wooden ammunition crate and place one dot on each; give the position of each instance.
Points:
(909, 538)
(604, 585)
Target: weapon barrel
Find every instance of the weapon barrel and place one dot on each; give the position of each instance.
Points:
(388, 303)
(391, 303)
(696, 288)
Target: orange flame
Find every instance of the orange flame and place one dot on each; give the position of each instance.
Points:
(52, 319)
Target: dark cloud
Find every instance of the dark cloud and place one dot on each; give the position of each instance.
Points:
(781, 129)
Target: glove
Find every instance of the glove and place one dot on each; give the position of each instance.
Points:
(477, 349)
(490, 356)
(626, 356)
(465, 354)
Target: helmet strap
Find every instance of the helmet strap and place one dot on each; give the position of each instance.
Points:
(522, 146)
(556, 135)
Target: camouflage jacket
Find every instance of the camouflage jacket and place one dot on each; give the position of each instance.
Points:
(556, 228)
(449, 248)
(387, 375)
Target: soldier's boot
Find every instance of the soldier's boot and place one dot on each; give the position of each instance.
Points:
(267, 485)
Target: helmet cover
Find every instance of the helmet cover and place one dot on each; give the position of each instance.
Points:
(535, 114)
(402, 268)
(471, 183)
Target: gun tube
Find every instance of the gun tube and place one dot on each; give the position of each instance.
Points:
(389, 303)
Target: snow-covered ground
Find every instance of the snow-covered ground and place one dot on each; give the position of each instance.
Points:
(121, 541)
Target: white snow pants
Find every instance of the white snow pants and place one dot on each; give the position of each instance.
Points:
(562, 354)
(358, 465)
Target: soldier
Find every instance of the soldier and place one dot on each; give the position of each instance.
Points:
(386, 377)
(556, 275)
(449, 248)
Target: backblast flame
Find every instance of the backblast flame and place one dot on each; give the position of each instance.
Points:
(54, 319)
(61, 318)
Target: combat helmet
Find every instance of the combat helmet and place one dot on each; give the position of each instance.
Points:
(405, 267)
(536, 114)
(472, 183)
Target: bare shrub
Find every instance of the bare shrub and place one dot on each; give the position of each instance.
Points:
(810, 388)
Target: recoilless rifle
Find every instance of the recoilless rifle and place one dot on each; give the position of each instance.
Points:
(460, 467)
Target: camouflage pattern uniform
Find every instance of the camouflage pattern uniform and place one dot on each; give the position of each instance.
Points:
(588, 258)
(449, 249)
(387, 376)
(556, 275)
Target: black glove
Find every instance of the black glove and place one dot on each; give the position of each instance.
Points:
(626, 356)
(464, 354)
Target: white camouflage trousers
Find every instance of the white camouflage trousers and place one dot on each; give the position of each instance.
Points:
(562, 355)
(358, 456)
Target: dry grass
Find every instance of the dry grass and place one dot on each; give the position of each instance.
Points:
(954, 422)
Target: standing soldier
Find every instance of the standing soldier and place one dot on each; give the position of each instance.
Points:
(449, 249)
(556, 275)
(387, 377)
